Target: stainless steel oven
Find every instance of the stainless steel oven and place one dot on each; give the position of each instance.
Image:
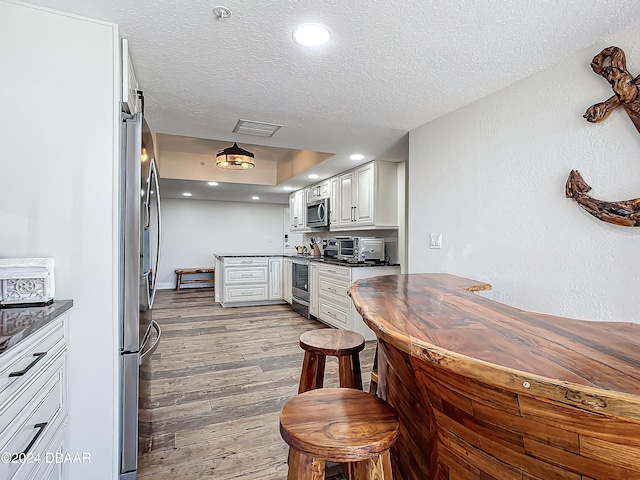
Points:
(300, 286)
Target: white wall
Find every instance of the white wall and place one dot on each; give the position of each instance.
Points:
(194, 230)
(490, 177)
(57, 183)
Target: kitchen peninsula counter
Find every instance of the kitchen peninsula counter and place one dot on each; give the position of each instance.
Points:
(485, 389)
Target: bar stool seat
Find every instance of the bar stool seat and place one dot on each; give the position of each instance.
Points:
(339, 425)
(318, 344)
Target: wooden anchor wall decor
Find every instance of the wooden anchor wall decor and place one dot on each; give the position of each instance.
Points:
(612, 65)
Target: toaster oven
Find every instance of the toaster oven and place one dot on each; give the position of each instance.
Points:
(360, 249)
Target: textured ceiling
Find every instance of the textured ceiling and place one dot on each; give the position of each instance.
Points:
(392, 65)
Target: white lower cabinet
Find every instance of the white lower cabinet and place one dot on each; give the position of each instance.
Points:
(33, 405)
(335, 306)
(314, 289)
(286, 279)
(249, 280)
(275, 279)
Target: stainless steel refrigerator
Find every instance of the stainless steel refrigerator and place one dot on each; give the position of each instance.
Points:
(139, 260)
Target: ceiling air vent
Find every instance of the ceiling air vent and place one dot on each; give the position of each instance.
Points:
(257, 129)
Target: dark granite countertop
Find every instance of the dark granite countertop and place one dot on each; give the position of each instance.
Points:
(333, 261)
(232, 255)
(17, 323)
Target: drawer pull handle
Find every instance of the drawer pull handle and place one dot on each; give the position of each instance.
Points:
(41, 427)
(39, 356)
(331, 289)
(246, 293)
(246, 275)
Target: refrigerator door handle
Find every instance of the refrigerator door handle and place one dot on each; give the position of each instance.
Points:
(144, 356)
(153, 173)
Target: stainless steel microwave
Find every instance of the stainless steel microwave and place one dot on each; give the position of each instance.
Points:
(318, 213)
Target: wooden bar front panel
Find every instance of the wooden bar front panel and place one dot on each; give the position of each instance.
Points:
(488, 391)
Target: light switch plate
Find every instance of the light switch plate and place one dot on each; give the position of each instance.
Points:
(435, 240)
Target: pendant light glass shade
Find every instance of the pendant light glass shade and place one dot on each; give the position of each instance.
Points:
(235, 158)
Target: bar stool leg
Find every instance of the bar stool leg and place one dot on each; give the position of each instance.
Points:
(378, 468)
(312, 375)
(304, 467)
(345, 369)
(357, 372)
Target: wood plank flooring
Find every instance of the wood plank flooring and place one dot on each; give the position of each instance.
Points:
(216, 385)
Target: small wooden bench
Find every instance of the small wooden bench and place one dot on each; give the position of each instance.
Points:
(193, 271)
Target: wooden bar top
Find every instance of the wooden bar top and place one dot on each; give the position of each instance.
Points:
(437, 316)
(485, 390)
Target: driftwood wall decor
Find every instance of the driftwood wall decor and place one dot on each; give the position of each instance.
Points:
(610, 63)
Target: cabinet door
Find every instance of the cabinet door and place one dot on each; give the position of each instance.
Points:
(275, 278)
(324, 189)
(314, 289)
(334, 201)
(299, 210)
(363, 180)
(346, 205)
(292, 212)
(286, 279)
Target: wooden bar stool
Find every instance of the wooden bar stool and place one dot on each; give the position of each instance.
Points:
(339, 425)
(343, 344)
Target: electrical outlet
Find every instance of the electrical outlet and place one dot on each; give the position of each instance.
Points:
(435, 240)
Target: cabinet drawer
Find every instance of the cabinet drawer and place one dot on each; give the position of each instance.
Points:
(31, 356)
(245, 293)
(342, 273)
(246, 261)
(37, 423)
(51, 469)
(332, 288)
(333, 315)
(245, 275)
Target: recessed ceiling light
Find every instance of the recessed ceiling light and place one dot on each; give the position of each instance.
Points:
(311, 35)
(287, 188)
(187, 194)
(255, 198)
(313, 176)
(213, 184)
(356, 156)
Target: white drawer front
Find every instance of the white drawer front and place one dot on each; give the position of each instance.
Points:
(38, 421)
(246, 261)
(31, 358)
(54, 466)
(332, 288)
(246, 275)
(343, 273)
(245, 294)
(333, 315)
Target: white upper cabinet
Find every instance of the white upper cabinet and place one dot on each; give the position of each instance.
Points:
(334, 202)
(298, 210)
(345, 206)
(318, 192)
(130, 100)
(367, 198)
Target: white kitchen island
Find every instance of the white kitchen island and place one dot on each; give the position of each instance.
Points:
(248, 279)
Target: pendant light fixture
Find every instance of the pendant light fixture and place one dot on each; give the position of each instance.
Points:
(235, 158)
